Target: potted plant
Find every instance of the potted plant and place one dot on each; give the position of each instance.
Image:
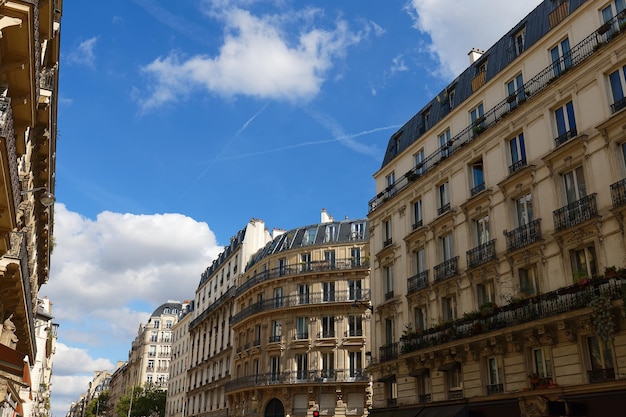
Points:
(604, 28)
(511, 98)
(488, 308)
(610, 272)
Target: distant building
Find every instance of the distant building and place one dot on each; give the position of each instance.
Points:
(117, 386)
(498, 232)
(300, 323)
(179, 363)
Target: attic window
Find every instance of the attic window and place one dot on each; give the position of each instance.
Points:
(518, 41)
(426, 118)
(395, 145)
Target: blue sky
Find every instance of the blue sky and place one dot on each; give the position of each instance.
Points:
(181, 120)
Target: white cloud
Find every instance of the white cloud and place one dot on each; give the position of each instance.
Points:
(84, 54)
(456, 26)
(260, 57)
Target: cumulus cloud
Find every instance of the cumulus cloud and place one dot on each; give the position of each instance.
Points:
(107, 276)
(84, 54)
(262, 56)
(456, 26)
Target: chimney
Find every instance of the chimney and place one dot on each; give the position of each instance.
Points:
(326, 218)
(474, 54)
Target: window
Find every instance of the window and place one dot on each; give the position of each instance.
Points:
(561, 57)
(329, 259)
(481, 226)
(278, 297)
(447, 249)
(302, 366)
(274, 368)
(276, 331)
(355, 256)
(304, 292)
(518, 41)
(391, 391)
(389, 333)
(565, 123)
(515, 91)
(618, 86)
(387, 235)
(542, 363)
(583, 262)
(305, 262)
(282, 266)
(448, 308)
(478, 177)
(496, 380)
(426, 119)
(357, 231)
(330, 234)
(444, 198)
(355, 360)
(477, 119)
(419, 162)
(328, 365)
(417, 214)
(600, 360)
(444, 141)
(157, 324)
(454, 379)
(328, 291)
(420, 260)
(328, 326)
(528, 281)
(302, 328)
(574, 184)
(524, 210)
(151, 364)
(613, 9)
(419, 314)
(391, 180)
(485, 293)
(451, 94)
(309, 236)
(388, 281)
(355, 289)
(154, 336)
(355, 325)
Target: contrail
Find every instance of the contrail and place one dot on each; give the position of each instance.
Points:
(245, 125)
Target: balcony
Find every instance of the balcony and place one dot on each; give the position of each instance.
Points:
(618, 193)
(601, 375)
(575, 213)
(418, 224)
(274, 339)
(443, 209)
(477, 189)
(425, 398)
(387, 243)
(546, 305)
(494, 389)
(392, 402)
(388, 352)
(577, 54)
(417, 282)
(618, 105)
(523, 235)
(517, 166)
(456, 394)
(565, 137)
(446, 269)
(313, 377)
(481, 254)
(389, 295)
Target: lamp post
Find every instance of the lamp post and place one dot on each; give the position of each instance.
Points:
(46, 198)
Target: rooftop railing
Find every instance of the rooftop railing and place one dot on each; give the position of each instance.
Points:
(576, 55)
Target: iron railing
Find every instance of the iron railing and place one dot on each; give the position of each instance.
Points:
(601, 375)
(477, 189)
(481, 254)
(494, 389)
(446, 269)
(618, 193)
(575, 213)
(576, 55)
(456, 394)
(425, 398)
(299, 377)
(388, 352)
(516, 166)
(561, 139)
(299, 300)
(618, 105)
(523, 235)
(417, 282)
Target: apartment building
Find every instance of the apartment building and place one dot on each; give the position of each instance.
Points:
(300, 324)
(497, 230)
(179, 363)
(29, 57)
(210, 337)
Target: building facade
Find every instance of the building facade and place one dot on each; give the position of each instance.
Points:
(210, 337)
(29, 57)
(177, 383)
(497, 230)
(300, 322)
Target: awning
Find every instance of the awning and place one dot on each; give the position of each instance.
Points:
(395, 412)
(508, 408)
(459, 410)
(449, 366)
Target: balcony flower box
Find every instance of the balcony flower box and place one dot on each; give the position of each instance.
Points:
(604, 28)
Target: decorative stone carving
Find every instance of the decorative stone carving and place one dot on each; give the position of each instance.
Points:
(8, 337)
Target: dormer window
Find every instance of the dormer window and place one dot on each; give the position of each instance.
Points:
(518, 40)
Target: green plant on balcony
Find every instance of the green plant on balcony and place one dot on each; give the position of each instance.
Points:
(581, 278)
(602, 319)
(610, 272)
(477, 130)
(487, 309)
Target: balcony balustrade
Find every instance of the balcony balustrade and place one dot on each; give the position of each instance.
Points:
(353, 333)
(443, 209)
(425, 398)
(494, 389)
(389, 295)
(456, 394)
(417, 282)
(446, 269)
(315, 377)
(618, 105)
(575, 213)
(477, 189)
(481, 254)
(388, 352)
(328, 334)
(577, 54)
(419, 223)
(601, 375)
(563, 300)
(392, 402)
(618, 193)
(387, 242)
(516, 166)
(561, 139)
(300, 300)
(523, 235)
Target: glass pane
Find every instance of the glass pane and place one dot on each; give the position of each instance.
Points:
(522, 146)
(580, 181)
(560, 121)
(570, 188)
(616, 86)
(595, 357)
(515, 157)
(607, 14)
(571, 119)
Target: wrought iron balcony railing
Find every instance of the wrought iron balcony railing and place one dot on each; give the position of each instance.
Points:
(299, 377)
(388, 352)
(443, 209)
(516, 166)
(456, 394)
(575, 213)
(417, 282)
(523, 235)
(618, 105)
(477, 189)
(577, 54)
(494, 389)
(481, 254)
(446, 269)
(618, 193)
(425, 398)
(419, 223)
(601, 375)
(561, 139)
